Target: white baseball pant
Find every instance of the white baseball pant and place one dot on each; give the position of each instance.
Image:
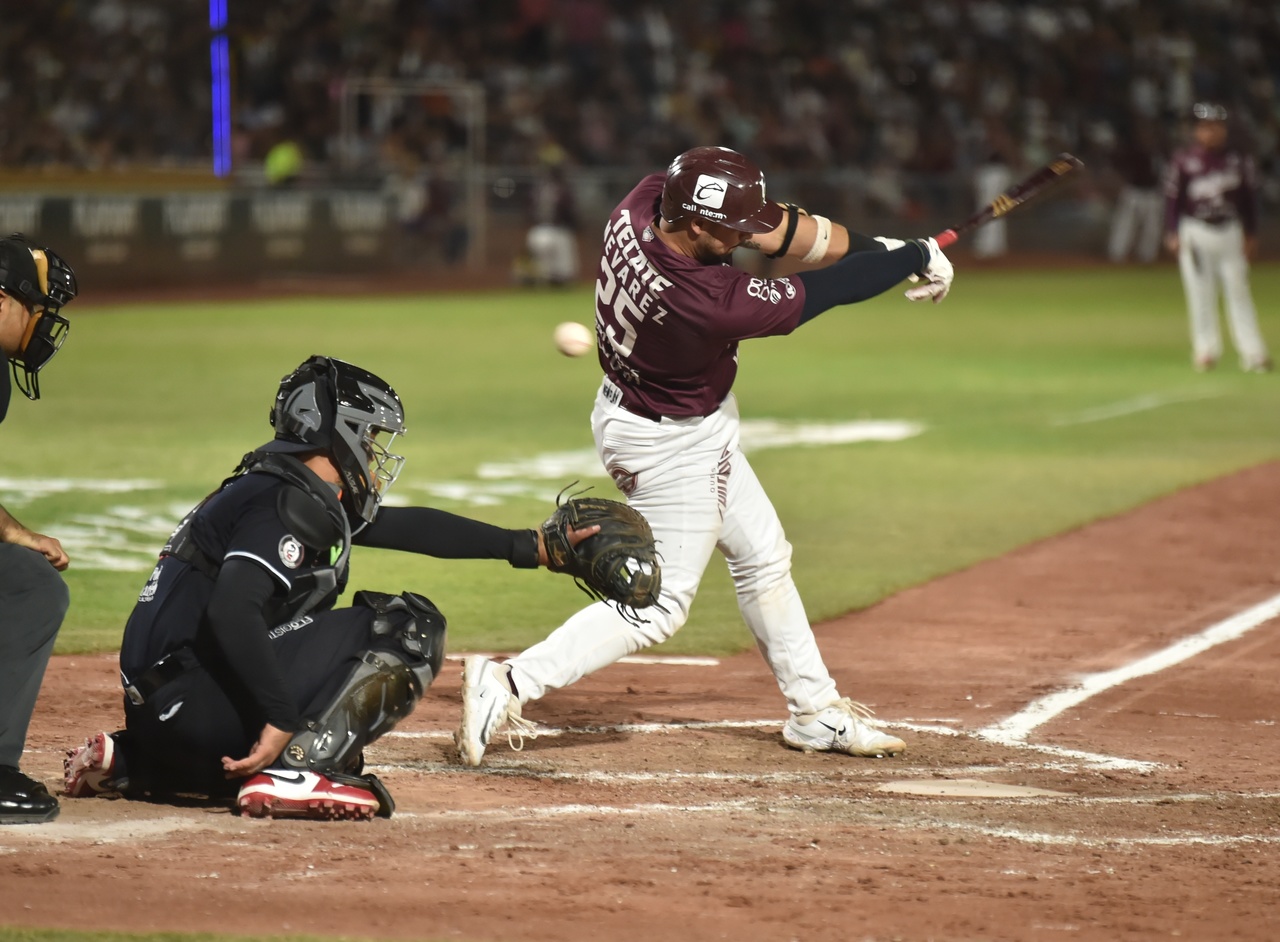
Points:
(1136, 224)
(1208, 254)
(989, 181)
(699, 493)
(554, 251)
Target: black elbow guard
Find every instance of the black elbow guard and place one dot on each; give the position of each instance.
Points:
(794, 213)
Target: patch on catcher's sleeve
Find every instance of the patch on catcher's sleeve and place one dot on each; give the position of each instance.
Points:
(291, 551)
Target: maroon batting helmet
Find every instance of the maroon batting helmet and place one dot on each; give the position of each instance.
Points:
(720, 186)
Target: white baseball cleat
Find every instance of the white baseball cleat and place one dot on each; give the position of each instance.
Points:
(840, 728)
(487, 706)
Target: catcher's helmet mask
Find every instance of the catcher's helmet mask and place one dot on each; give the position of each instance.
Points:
(42, 282)
(721, 186)
(349, 414)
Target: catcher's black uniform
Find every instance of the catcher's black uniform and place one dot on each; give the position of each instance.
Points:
(235, 627)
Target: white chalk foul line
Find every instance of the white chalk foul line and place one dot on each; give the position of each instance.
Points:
(1092, 759)
(1137, 404)
(1016, 728)
(1072, 840)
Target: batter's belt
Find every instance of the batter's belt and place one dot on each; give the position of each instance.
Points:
(620, 397)
(1217, 221)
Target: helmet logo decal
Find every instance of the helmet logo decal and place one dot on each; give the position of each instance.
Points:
(290, 551)
(709, 191)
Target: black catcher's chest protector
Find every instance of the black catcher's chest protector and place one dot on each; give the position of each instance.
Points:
(311, 511)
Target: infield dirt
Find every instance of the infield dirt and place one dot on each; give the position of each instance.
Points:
(626, 822)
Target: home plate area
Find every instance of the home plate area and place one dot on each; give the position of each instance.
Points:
(1090, 728)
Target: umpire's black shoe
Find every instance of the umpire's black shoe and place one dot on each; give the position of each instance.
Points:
(23, 800)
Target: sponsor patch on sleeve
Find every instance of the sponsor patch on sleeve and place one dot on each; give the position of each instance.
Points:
(290, 551)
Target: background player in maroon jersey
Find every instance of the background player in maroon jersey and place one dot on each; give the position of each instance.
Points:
(670, 312)
(1211, 224)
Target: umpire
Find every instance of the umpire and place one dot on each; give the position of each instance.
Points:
(34, 285)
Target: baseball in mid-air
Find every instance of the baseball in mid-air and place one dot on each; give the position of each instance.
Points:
(574, 339)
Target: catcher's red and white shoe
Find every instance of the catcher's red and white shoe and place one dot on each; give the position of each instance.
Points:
(290, 793)
(840, 728)
(488, 705)
(88, 770)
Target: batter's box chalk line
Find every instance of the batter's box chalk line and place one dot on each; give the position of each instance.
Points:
(1012, 732)
(1089, 759)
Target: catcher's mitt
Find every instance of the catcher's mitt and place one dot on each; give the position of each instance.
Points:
(619, 564)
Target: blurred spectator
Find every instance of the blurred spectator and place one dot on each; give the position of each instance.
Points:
(1139, 209)
(424, 197)
(283, 163)
(552, 240)
(993, 175)
(898, 91)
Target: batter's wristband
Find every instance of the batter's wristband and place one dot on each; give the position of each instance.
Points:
(524, 549)
(793, 218)
(819, 250)
(926, 254)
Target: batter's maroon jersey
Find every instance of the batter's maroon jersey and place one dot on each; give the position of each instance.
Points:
(1213, 186)
(668, 326)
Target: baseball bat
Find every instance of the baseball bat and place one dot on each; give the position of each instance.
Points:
(1013, 197)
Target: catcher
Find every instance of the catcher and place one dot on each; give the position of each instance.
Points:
(240, 677)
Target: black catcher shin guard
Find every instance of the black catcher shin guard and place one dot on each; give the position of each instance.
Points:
(406, 649)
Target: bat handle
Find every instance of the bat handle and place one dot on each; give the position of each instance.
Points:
(946, 237)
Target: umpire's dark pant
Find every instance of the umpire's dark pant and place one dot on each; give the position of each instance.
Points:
(33, 602)
(175, 741)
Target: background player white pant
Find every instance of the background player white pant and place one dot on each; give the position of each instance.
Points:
(1208, 254)
(698, 492)
(989, 181)
(1136, 224)
(554, 253)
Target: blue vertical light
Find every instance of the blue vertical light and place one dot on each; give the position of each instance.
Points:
(220, 87)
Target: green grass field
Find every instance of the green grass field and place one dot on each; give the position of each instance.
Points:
(1049, 399)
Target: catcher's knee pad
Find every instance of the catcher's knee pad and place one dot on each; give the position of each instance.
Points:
(408, 624)
(407, 648)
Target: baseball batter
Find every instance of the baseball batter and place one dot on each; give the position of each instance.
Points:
(670, 313)
(1211, 224)
(34, 285)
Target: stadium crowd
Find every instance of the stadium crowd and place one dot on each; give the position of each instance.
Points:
(895, 88)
